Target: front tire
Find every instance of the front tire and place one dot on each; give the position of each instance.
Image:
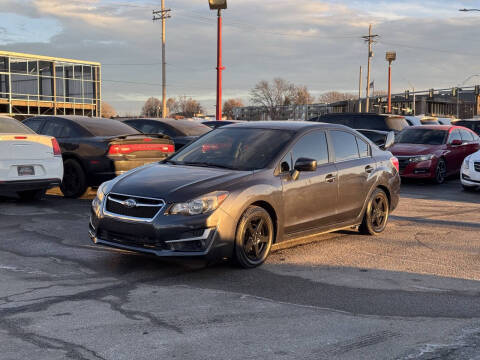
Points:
(254, 237)
(31, 195)
(440, 171)
(376, 215)
(74, 182)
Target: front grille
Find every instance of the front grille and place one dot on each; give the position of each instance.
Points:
(132, 240)
(144, 208)
(403, 162)
(476, 165)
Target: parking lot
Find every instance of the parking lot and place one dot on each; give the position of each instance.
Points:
(412, 292)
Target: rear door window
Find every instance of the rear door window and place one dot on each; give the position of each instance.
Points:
(344, 145)
(53, 128)
(363, 148)
(466, 135)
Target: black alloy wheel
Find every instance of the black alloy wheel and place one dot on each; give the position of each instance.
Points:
(74, 180)
(376, 214)
(254, 237)
(440, 171)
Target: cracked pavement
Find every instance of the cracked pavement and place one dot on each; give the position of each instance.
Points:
(411, 293)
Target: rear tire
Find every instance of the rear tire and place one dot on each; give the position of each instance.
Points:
(376, 215)
(31, 195)
(254, 237)
(74, 182)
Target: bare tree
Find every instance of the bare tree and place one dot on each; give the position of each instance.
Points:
(108, 111)
(188, 107)
(229, 105)
(302, 96)
(334, 96)
(172, 105)
(151, 107)
(272, 95)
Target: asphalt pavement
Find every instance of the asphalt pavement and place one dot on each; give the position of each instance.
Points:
(412, 292)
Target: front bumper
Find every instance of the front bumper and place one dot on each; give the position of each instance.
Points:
(469, 177)
(210, 236)
(419, 170)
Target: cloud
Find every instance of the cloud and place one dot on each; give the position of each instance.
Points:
(310, 42)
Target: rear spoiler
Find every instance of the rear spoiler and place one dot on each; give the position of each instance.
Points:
(159, 136)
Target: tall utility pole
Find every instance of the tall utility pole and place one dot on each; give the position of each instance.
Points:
(163, 14)
(369, 39)
(360, 91)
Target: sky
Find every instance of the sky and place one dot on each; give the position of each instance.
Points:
(308, 42)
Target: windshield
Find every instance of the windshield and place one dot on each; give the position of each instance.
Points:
(422, 136)
(234, 148)
(189, 127)
(12, 126)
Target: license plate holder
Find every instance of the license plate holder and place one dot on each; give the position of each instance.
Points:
(25, 170)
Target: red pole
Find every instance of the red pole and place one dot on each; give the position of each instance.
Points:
(219, 66)
(389, 87)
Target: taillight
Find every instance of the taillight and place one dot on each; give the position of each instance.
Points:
(56, 148)
(395, 163)
(129, 148)
(20, 137)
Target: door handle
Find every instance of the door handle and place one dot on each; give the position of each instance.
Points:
(330, 178)
(368, 169)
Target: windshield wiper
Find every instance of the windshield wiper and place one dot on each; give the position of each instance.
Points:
(207, 164)
(171, 162)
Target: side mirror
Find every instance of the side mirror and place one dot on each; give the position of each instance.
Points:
(456, 142)
(305, 164)
(390, 139)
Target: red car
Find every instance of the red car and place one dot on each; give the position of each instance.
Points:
(433, 151)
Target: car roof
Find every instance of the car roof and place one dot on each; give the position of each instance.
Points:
(75, 118)
(166, 120)
(287, 125)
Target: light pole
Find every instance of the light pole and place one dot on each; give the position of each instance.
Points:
(219, 5)
(390, 56)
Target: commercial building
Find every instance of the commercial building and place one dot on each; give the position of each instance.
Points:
(462, 103)
(41, 85)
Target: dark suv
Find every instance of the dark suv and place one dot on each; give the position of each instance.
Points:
(370, 121)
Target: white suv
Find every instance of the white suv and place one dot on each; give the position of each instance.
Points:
(29, 163)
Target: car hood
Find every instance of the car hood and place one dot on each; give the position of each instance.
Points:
(175, 183)
(475, 156)
(413, 149)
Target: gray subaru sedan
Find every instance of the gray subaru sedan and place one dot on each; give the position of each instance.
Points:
(239, 189)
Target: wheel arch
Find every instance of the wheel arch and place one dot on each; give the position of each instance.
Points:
(273, 215)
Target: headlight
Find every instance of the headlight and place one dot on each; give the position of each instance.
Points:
(102, 190)
(199, 205)
(422, 158)
(466, 161)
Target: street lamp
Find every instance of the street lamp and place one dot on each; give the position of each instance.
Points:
(219, 5)
(390, 56)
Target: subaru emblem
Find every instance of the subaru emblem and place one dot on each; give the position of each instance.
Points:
(130, 203)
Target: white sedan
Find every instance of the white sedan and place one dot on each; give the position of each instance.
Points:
(29, 163)
(470, 171)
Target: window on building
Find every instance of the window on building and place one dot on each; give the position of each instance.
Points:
(45, 68)
(24, 85)
(18, 66)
